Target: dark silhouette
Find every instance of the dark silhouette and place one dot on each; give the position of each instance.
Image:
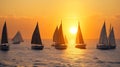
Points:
(4, 40)
(36, 39)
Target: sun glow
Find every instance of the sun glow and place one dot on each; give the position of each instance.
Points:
(73, 30)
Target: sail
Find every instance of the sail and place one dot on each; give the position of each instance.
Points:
(112, 38)
(103, 36)
(36, 39)
(4, 38)
(66, 41)
(79, 38)
(55, 35)
(60, 35)
(18, 37)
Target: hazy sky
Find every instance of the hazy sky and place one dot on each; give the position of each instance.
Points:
(23, 15)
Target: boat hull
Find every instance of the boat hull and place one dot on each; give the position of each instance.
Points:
(16, 42)
(103, 47)
(112, 47)
(37, 47)
(60, 46)
(81, 46)
(53, 44)
(4, 47)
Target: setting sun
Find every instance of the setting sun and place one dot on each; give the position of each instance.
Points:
(73, 30)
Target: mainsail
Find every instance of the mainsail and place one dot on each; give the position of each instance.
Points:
(79, 38)
(103, 36)
(112, 38)
(55, 35)
(4, 38)
(36, 39)
(18, 37)
(60, 35)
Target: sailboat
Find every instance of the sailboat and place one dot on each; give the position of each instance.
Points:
(112, 43)
(79, 39)
(55, 36)
(103, 41)
(17, 38)
(60, 42)
(4, 40)
(36, 39)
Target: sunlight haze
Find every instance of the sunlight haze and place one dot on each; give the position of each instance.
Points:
(24, 14)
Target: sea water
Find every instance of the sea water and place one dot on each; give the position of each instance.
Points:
(21, 55)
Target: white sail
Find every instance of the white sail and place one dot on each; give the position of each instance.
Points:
(17, 37)
(79, 38)
(112, 38)
(103, 36)
(55, 35)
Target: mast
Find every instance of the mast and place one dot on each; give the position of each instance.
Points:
(60, 35)
(79, 38)
(36, 39)
(4, 38)
(103, 36)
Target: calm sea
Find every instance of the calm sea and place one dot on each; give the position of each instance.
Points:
(21, 55)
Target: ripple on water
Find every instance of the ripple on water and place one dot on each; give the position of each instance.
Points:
(114, 62)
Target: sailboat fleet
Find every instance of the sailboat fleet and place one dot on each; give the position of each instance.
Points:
(59, 40)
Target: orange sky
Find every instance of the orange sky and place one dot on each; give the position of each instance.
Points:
(23, 14)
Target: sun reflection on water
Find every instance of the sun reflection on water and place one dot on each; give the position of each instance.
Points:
(74, 53)
(74, 56)
(72, 50)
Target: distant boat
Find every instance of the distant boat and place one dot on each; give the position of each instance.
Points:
(60, 42)
(103, 41)
(79, 39)
(36, 39)
(4, 40)
(112, 43)
(17, 38)
(55, 36)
